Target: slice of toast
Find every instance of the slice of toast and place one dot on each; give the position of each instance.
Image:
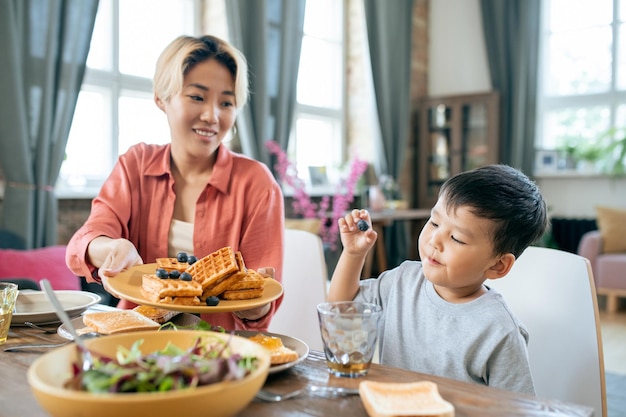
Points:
(157, 314)
(388, 399)
(279, 353)
(122, 321)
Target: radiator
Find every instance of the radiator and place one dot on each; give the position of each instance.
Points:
(568, 232)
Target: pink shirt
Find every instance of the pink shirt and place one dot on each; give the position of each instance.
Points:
(242, 206)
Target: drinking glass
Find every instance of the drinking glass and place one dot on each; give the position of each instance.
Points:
(8, 295)
(349, 331)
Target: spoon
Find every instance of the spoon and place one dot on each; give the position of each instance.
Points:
(321, 391)
(84, 352)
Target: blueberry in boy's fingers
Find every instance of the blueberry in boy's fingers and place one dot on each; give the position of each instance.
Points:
(362, 225)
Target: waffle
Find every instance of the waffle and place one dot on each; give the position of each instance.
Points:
(167, 287)
(171, 264)
(242, 294)
(168, 299)
(214, 267)
(252, 280)
(228, 281)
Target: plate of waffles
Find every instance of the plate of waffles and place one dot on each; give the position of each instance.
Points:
(220, 275)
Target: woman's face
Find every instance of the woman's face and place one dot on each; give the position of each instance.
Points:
(204, 111)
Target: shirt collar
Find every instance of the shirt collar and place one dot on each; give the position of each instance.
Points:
(160, 164)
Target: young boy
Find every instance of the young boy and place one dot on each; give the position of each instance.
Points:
(439, 316)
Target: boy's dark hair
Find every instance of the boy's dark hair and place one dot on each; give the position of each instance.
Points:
(506, 196)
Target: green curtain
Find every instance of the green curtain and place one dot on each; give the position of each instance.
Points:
(269, 33)
(512, 29)
(44, 47)
(389, 27)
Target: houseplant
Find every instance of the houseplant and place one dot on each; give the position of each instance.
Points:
(305, 207)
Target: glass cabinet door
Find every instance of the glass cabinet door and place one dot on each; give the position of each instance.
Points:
(455, 134)
(475, 137)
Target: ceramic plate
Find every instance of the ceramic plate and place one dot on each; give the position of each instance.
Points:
(290, 342)
(127, 285)
(34, 306)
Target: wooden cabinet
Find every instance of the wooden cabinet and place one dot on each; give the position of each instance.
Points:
(454, 134)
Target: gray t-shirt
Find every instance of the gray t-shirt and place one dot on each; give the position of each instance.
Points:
(478, 341)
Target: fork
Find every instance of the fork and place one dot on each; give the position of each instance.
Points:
(65, 319)
(321, 391)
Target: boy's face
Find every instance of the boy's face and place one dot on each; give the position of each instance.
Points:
(456, 250)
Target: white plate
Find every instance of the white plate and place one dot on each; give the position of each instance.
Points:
(34, 306)
(291, 342)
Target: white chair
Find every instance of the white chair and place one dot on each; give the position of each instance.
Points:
(552, 293)
(304, 282)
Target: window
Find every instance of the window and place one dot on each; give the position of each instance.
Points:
(318, 134)
(115, 108)
(583, 74)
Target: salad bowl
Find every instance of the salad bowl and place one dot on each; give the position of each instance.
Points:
(49, 374)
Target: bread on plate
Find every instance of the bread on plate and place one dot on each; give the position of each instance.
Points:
(279, 353)
(390, 399)
(119, 321)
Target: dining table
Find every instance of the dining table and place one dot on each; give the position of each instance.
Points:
(468, 399)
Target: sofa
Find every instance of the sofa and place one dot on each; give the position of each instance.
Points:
(609, 268)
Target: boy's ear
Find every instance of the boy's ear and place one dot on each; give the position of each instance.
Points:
(501, 267)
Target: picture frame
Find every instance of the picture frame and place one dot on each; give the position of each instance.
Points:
(546, 160)
(318, 175)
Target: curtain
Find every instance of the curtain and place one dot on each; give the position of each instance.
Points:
(389, 26)
(44, 47)
(269, 33)
(511, 29)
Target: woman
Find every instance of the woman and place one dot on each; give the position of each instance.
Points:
(194, 194)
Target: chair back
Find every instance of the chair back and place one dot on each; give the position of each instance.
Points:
(552, 293)
(304, 282)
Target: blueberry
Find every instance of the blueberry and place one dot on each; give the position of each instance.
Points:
(192, 260)
(362, 225)
(185, 276)
(175, 274)
(212, 301)
(161, 273)
(182, 257)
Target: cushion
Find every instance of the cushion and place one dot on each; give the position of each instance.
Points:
(612, 226)
(36, 264)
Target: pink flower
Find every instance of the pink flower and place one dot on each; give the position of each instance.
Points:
(302, 203)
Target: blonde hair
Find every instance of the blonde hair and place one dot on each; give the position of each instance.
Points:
(184, 52)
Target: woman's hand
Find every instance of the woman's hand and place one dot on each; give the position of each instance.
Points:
(112, 256)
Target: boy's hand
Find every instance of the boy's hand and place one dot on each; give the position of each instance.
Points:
(354, 240)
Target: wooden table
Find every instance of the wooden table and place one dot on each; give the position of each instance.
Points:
(383, 218)
(470, 400)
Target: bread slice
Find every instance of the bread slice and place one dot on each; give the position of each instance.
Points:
(157, 314)
(122, 321)
(417, 399)
(279, 353)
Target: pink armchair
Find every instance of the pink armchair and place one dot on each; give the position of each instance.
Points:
(609, 269)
